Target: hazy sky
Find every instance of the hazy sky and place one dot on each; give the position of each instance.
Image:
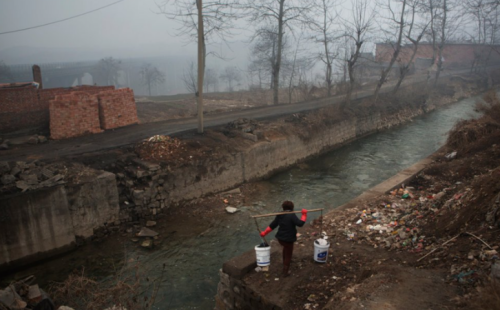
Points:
(127, 29)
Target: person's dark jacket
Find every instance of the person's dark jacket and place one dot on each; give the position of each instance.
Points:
(288, 227)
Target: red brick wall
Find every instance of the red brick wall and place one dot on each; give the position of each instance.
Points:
(117, 108)
(74, 115)
(20, 108)
(28, 108)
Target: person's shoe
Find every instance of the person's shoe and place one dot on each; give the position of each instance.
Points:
(286, 271)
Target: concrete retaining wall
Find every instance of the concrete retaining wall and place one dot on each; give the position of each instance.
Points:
(39, 224)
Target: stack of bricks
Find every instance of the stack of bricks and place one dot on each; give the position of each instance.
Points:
(74, 115)
(117, 108)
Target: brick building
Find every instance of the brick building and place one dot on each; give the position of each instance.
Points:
(454, 55)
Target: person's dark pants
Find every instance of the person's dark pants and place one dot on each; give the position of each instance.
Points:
(287, 254)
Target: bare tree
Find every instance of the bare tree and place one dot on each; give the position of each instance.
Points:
(211, 79)
(323, 34)
(281, 15)
(151, 76)
(399, 20)
(264, 53)
(414, 5)
(108, 68)
(356, 31)
(190, 79)
(231, 75)
(203, 21)
(444, 21)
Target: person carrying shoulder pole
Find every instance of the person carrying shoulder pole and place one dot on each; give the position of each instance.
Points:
(287, 232)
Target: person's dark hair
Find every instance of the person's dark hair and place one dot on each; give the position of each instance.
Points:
(287, 205)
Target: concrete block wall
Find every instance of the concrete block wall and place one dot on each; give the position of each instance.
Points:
(117, 108)
(74, 115)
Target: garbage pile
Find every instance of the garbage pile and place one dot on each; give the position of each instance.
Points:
(25, 294)
(172, 150)
(420, 221)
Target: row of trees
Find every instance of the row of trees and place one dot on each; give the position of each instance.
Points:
(231, 76)
(109, 68)
(341, 37)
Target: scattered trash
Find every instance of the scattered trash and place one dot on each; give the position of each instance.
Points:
(451, 155)
(231, 210)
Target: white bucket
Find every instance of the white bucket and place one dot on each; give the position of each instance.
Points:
(263, 255)
(321, 252)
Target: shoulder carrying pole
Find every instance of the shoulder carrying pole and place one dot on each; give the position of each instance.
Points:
(281, 213)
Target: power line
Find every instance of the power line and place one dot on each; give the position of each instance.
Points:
(62, 20)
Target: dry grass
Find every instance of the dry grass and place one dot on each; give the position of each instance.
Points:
(474, 135)
(128, 289)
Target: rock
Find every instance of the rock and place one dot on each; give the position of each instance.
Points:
(30, 179)
(47, 173)
(146, 232)
(42, 139)
(249, 136)
(65, 308)
(4, 146)
(129, 230)
(232, 192)
(7, 179)
(150, 223)
(15, 171)
(22, 185)
(231, 210)
(147, 244)
(134, 240)
(439, 195)
(4, 167)
(33, 140)
(20, 140)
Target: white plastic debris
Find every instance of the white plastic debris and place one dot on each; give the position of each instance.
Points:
(451, 155)
(322, 241)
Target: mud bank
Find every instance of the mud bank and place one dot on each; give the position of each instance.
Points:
(144, 187)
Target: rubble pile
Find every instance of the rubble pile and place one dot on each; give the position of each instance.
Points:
(22, 176)
(246, 128)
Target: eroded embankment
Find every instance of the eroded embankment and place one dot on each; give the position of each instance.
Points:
(162, 172)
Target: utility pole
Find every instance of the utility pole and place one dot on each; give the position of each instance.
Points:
(201, 65)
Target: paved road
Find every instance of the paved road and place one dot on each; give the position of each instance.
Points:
(131, 134)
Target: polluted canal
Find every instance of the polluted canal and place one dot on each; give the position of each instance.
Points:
(193, 253)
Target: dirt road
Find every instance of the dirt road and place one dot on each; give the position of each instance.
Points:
(132, 134)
